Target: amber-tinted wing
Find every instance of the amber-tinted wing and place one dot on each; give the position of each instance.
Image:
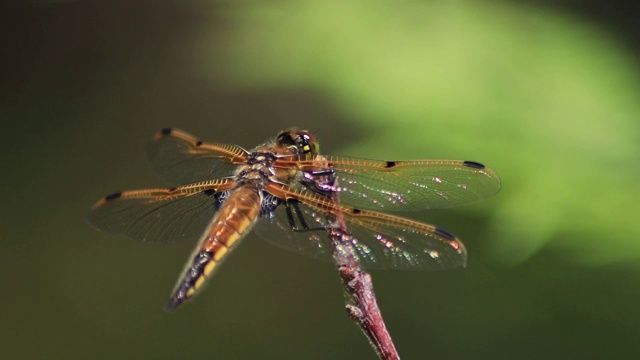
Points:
(380, 241)
(160, 215)
(180, 158)
(408, 185)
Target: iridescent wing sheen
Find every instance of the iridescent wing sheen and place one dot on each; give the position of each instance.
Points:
(180, 158)
(160, 215)
(407, 185)
(380, 241)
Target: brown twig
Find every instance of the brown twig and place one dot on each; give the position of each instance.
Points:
(360, 298)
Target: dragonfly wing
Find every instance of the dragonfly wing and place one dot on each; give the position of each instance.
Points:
(283, 225)
(180, 158)
(160, 215)
(409, 185)
(392, 242)
(380, 241)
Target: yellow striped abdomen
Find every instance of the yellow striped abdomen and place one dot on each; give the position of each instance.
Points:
(234, 219)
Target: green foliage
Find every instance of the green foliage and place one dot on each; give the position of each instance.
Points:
(546, 100)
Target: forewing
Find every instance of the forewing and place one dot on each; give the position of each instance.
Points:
(160, 215)
(380, 241)
(409, 185)
(180, 158)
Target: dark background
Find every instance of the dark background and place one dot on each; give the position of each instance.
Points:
(545, 92)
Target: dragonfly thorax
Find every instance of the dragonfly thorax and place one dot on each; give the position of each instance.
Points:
(259, 169)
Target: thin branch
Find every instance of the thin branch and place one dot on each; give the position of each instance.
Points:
(360, 298)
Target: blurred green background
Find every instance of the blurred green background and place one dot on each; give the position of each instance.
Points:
(546, 93)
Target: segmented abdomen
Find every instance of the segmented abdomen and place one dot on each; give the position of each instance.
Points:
(234, 219)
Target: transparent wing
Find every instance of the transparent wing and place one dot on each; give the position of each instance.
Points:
(160, 215)
(380, 241)
(408, 185)
(180, 158)
(282, 226)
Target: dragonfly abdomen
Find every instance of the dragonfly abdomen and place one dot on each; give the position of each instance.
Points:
(234, 219)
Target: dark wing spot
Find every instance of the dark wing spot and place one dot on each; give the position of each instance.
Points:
(113, 196)
(473, 164)
(166, 131)
(444, 234)
(390, 164)
(356, 211)
(199, 143)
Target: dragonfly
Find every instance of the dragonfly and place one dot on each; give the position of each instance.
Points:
(284, 191)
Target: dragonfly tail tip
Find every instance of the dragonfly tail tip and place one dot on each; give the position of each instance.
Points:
(171, 305)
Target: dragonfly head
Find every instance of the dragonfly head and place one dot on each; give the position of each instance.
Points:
(300, 142)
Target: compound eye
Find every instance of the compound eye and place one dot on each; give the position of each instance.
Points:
(305, 145)
(285, 139)
(308, 142)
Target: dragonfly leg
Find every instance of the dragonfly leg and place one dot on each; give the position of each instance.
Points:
(292, 207)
